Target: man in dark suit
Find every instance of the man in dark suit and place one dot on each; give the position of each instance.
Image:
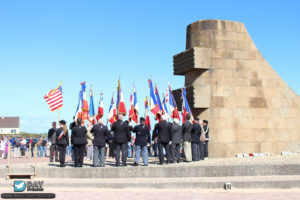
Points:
(79, 140)
(122, 137)
(187, 138)
(206, 132)
(176, 135)
(142, 138)
(163, 129)
(52, 139)
(100, 133)
(196, 132)
(62, 141)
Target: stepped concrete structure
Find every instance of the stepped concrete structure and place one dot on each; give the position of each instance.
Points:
(249, 107)
(273, 172)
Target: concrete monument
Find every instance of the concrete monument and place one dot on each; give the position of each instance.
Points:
(249, 107)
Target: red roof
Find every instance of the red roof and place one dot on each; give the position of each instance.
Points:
(9, 122)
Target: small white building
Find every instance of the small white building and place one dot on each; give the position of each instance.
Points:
(9, 125)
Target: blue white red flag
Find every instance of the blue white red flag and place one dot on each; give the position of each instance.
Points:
(91, 108)
(153, 103)
(165, 108)
(61, 134)
(121, 109)
(185, 106)
(147, 118)
(83, 107)
(134, 110)
(112, 112)
(100, 108)
(173, 107)
(158, 98)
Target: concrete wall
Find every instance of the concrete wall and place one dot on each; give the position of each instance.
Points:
(249, 107)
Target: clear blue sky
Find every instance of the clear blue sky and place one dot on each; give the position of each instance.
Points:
(45, 42)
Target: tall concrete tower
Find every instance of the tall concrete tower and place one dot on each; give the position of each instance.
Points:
(249, 107)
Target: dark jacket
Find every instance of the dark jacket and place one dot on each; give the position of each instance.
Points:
(72, 125)
(163, 130)
(64, 140)
(176, 133)
(196, 132)
(142, 135)
(155, 134)
(101, 135)
(206, 131)
(121, 132)
(79, 135)
(187, 131)
(52, 136)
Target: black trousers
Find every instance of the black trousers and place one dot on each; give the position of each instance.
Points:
(121, 147)
(79, 150)
(206, 149)
(53, 149)
(111, 149)
(201, 148)
(175, 152)
(62, 153)
(195, 151)
(161, 147)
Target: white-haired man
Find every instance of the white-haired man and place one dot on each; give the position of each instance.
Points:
(176, 135)
(89, 146)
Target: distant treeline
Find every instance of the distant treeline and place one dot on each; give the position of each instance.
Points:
(26, 135)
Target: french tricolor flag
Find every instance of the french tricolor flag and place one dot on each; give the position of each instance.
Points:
(112, 112)
(185, 106)
(120, 100)
(153, 103)
(173, 107)
(147, 118)
(100, 108)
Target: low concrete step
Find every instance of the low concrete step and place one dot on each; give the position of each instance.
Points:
(270, 182)
(169, 171)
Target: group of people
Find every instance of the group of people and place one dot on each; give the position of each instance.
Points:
(20, 145)
(173, 141)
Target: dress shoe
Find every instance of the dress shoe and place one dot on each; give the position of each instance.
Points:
(135, 164)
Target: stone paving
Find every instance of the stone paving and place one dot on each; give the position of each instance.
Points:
(137, 194)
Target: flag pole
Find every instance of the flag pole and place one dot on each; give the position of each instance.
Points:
(60, 107)
(58, 115)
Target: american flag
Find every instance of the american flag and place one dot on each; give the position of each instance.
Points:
(54, 98)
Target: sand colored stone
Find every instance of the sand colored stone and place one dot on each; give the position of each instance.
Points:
(249, 107)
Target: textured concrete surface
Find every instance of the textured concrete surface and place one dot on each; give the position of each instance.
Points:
(180, 194)
(280, 182)
(216, 167)
(249, 107)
